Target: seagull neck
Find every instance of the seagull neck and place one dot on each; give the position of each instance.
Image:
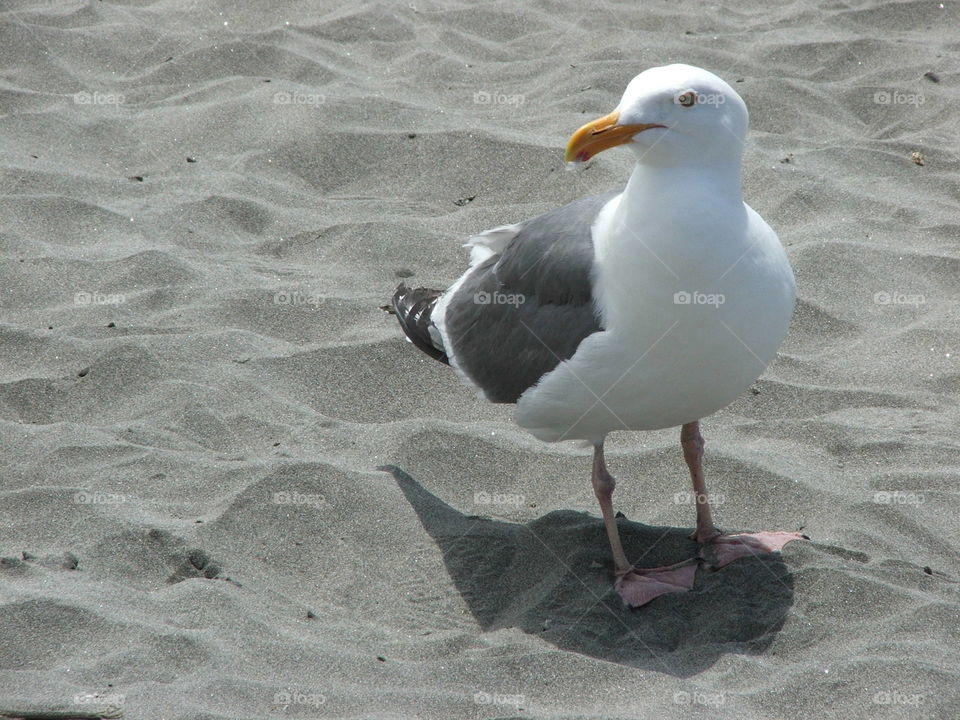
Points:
(653, 188)
(671, 229)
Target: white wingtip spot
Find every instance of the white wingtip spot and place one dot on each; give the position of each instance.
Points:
(490, 242)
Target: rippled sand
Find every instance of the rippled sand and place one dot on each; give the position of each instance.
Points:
(202, 206)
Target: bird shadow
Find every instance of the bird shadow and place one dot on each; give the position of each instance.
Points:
(553, 577)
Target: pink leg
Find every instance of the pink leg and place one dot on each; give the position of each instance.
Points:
(636, 586)
(724, 549)
(692, 443)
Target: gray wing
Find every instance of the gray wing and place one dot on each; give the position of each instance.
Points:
(521, 312)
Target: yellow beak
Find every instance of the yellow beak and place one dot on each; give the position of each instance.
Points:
(601, 134)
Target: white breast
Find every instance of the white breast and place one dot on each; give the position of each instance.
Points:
(694, 307)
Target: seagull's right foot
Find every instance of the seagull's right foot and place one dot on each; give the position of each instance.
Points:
(638, 586)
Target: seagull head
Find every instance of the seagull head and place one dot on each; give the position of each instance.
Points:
(669, 115)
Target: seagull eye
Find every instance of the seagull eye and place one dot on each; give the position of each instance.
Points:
(687, 99)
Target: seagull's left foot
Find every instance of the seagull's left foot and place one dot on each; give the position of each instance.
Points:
(715, 547)
(719, 550)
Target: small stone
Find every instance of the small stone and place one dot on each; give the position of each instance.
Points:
(198, 558)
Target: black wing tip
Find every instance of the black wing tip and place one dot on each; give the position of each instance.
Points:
(412, 307)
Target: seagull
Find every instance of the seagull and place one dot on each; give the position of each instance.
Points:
(644, 308)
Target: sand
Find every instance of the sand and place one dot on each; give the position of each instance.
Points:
(228, 487)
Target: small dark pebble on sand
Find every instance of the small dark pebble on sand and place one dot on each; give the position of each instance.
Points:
(928, 570)
(932, 76)
(198, 558)
(83, 373)
(191, 159)
(464, 200)
(381, 658)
